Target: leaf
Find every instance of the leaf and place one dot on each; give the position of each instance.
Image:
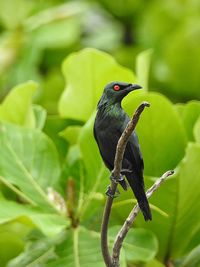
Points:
(12, 14)
(86, 73)
(197, 130)
(49, 98)
(178, 197)
(90, 152)
(44, 36)
(143, 61)
(53, 126)
(156, 135)
(29, 162)
(27, 63)
(95, 178)
(49, 224)
(76, 247)
(81, 248)
(132, 201)
(10, 246)
(192, 259)
(37, 253)
(154, 263)
(40, 116)
(140, 245)
(61, 12)
(16, 107)
(187, 210)
(189, 115)
(71, 134)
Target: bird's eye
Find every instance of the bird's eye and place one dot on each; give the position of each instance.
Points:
(116, 87)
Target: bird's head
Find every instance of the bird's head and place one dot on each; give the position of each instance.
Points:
(114, 92)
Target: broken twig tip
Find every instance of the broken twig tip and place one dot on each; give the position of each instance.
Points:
(146, 104)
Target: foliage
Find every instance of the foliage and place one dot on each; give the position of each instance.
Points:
(59, 197)
(34, 41)
(52, 179)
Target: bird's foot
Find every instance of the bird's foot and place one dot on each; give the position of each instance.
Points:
(113, 179)
(109, 193)
(120, 179)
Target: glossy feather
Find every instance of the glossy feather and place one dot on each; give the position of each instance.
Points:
(110, 122)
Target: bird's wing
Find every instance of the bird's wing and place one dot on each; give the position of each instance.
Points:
(104, 148)
(133, 154)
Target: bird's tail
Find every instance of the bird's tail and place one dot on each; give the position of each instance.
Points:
(137, 185)
(144, 206)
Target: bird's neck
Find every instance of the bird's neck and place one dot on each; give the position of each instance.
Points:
(108, 109)
(108, 103)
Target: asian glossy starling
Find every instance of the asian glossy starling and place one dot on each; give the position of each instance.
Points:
(110, 122)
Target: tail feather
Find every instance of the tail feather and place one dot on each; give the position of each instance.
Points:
(137, 186)
(144, 206)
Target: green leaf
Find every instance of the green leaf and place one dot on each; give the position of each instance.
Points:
(44, 36)
(189, 115)
(86, 73)
(40, 116)
(49, 224)
(180, 108)
(197, 130)
(12, 14)
(10, 246)
(38, 253)
(16, 107)
(132, 201)
(96, 176)
(90, 152)
(192, 259)
(143, 61)
(140, 245)
(54, 14)
(53, 126)
(71, 134)
(187, 209)
(48, 98)
(154, 263)
(81, 248)
(157, 134)
(178, 197)
(29, 162)
(76, 247)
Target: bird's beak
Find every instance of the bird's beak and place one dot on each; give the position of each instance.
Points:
(132, 87)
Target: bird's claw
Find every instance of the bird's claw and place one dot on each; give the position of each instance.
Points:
(113, 179)
(109, 193)
(121, 178)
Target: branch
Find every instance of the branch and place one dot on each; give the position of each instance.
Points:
(116, 175)
(131, 218)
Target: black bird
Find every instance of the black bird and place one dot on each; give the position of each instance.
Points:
(110, 122)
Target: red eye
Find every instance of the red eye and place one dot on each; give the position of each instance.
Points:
(116, 87)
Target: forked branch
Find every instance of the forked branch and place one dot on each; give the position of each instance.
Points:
(114, 260)
(131, 218)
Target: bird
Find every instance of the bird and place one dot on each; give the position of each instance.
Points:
(109, 124)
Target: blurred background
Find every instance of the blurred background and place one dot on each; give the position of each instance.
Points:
(52, 179)
(37, 35)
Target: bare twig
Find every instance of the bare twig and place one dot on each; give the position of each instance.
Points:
(124, 139)
(130, 219)
(116, 175)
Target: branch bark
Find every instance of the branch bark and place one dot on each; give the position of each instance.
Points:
(131, 218)
(114, 260)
